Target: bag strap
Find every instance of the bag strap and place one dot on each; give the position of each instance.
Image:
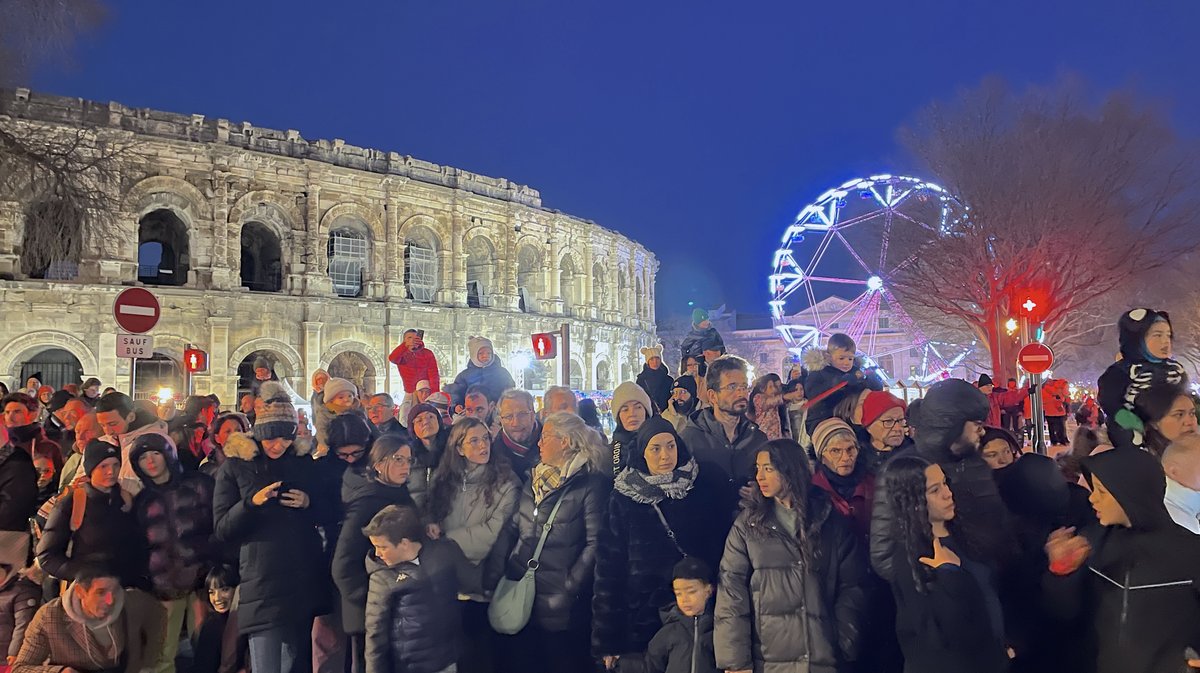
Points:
(78, 503)
(537, 552)
(666, 526)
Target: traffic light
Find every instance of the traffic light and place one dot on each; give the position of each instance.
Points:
(195, 360)
(545, 345)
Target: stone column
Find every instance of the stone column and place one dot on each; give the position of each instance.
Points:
(222, 377)
(316, 281)
(393, 276)
(554, 293)
(311, 352)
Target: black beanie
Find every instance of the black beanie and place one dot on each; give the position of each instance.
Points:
(97, 452)
(348, 429)
(654, 426)
(59, 400)
(686, 382)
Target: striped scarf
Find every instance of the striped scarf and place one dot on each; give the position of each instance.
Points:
(546, 480)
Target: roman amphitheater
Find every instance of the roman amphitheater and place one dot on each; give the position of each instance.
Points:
(312, 253)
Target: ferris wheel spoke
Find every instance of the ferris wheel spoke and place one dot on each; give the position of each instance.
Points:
(884, 239)
(854, 254)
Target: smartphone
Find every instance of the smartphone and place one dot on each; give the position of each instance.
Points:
(284, 488)
(421, 334)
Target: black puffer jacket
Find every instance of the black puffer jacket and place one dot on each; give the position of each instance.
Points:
(1124, 380)
(944, 411)
(362, 498)
(414, 619)
(108, 535)
(568, 561)
(823, 377)
(682, 645)
(773, 614)
(18, 488)
(176, 520)
(729, 462)
(657, 383)
(284, 580)
(1139, 591)
(635, 561)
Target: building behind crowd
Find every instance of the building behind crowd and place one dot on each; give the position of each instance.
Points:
(311, 253)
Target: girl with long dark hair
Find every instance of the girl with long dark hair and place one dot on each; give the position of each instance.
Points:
(791, 567)
(948, 613)
(430, 435)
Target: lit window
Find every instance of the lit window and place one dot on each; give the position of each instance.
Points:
(347, 260)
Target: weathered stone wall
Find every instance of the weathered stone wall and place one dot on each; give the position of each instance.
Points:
(217, 176)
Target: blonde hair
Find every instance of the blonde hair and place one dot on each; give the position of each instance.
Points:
(579, 438)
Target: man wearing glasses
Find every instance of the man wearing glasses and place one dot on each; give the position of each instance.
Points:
(884, 419)
(520, 431)
(381, 410)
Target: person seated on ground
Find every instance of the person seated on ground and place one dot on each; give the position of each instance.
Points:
(834, 373)
(20, 596)
(217, 645)
(685, 642)
(94, 626)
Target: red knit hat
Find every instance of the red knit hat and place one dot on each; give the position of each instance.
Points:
(877, 403)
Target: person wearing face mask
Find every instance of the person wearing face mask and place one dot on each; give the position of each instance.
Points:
(683, 402)
(632, 407)
(658, 513)
(472, 496)
(1133, 576)
(952, 417)
(174, 515)
(1146, 340)
(430, 435)
(364, 494)
(263, 505)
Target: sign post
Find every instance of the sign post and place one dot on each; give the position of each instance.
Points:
(565, 337)
(136, 311)
(1037, 359)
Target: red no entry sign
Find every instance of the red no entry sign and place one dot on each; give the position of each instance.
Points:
(136, 310)
(1036, 358)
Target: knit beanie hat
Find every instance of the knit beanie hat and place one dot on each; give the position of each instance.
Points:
(425, 408)
(59, 400)
(984, 380)
(686, 382)
(631, 392)
(699, 315)
(877, 403)
(826, 430)
(97, 452)
(349, 429)
(692, 568)
(652, 352)
(474, 344)
(277, 420)
(335, 385)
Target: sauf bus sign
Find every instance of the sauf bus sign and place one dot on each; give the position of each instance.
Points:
(135, 346)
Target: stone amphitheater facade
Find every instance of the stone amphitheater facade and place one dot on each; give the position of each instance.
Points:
(313, 253)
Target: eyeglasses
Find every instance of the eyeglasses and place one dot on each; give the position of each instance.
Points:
(477, 441)
(839, 452)
(379, 407)
(351, 455)
(509, 418)
(735, 388)
(889, 423)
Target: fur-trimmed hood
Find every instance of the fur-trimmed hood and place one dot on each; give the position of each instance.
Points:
(816, 359)
(243, 446)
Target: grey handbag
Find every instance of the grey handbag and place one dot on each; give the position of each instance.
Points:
(512, 603)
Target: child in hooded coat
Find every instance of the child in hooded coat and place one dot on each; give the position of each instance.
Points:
(703, 337)
(483, 370)
(1135, 372)
(825, 376)
(1138, 588)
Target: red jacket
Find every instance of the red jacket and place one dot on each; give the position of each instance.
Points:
(1002, 399)
(416, 367)
(1056, 397)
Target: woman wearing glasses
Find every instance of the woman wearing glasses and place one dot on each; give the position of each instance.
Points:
(364, 493)
(884, 419)
(472, 495)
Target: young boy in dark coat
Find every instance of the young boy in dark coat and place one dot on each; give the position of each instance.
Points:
(834, 373)
(685, 642)
(414, 619)
(1146, 350)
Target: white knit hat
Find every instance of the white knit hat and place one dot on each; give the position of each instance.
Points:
(652, 352)
(631, 392)
(335, 385)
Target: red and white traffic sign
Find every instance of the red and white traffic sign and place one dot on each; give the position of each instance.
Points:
(136, 310)
(1036, 358)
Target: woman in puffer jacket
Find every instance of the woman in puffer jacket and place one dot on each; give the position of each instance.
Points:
(659, 511)
(265, 505)
(791, 596)
(571, 472)
(472, 496)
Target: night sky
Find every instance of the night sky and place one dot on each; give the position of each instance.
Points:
(692, 127)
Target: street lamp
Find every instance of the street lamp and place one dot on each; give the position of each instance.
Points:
(1011, 326)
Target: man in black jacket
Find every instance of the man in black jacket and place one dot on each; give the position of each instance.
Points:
(952, 421)
(520, 431)
(381, 411)
(18, 485)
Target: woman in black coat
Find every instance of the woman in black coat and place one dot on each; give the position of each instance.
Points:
(364, 494)
(948, 614)
(571, 472)
(638, 549)
(264, 505)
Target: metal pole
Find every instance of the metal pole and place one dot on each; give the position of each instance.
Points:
(1039, 414)
(564, 352)
(132, 377)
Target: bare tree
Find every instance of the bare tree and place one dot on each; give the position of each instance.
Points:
(1067, 202)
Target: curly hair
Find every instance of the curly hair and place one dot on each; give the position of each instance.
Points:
(447, 481)
(790, 463)
(904, 483)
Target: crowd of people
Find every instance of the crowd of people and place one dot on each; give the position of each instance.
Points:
(464, 527)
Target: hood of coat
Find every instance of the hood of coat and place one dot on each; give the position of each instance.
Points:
(243, 446)
(474, 345)
(1136, 479)
(153, 442)
(74, 609)
(1034, 487)
(1133, 326)
(816, 359)
(945, 409)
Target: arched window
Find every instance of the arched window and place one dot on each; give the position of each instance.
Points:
(356, 368)
(481, 268)
(262, 259)
(420, 267)
(163, 257)
(570, 283)
(529, 278)
(54, 367)
(53, 241)
(603, 376)
(348, 254)
(576, 376)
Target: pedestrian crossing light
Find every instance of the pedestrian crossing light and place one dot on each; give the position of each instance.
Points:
(545, 345)
(195, 360)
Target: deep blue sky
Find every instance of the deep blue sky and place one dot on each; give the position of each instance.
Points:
(697, 128)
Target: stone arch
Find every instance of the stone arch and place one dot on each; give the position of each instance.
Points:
(370, 219)
(19, 349)
(287, 355)
(600, 289)
(435, 228)
(604, 374)
(421, 249)
(572, 275)
(531, 274)
(162, 191)
(482, 265)
(173, 345)
(374, 371)
(267, 209)
(577, 380)
(350, 345)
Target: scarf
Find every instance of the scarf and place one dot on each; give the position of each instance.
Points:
(843, 486)
(766, 415)
(513, 445)
(649, 489)
(546, 480)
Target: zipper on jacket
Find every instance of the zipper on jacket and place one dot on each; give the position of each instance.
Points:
(695, 641)
(1124, 607)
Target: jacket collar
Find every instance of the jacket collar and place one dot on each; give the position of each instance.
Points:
(707, 420)
(1183, 498)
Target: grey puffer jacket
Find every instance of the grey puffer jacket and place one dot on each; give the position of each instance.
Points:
(773, 615)
(475, 524)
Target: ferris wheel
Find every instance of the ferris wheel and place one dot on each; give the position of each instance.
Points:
(831, 272)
